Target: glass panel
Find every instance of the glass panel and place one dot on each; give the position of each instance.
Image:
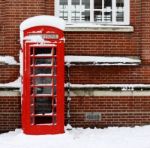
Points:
(75, 3)
(41, 80)
(86, 16)
(63, 2)
(119, 3)
(63, 13)
(120, 17)
(108, 4)
(42, 70)
(41, 90)
(97, 4)
(75, 14)
(43, 105)
(43, 120)
(107, 16)
(85, 4)
(54, 90)
(43, 61)
(43, 51)
(98, 16)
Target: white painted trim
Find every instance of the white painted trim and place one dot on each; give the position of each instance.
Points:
(7, 93)
(108, 93)
(56, 8)
(127, 12)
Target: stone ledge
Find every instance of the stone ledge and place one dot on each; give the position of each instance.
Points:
(99, 28)
(108, 93)
(10, 93)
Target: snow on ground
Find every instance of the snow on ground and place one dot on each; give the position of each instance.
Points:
(137, 137)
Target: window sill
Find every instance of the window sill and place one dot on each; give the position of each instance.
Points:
(98, 28)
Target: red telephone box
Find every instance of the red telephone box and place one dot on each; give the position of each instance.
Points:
(43, 75)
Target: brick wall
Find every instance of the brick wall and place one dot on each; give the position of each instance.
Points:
(10, 113)
(110, 75)
(114, 110)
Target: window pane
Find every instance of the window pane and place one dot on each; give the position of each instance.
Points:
(86, 4)
(75, 13)
(98, 16)
(75, 16)
(120, 17)
(63, 2)
(108, 16)
(86, 16)
(63, 13)
(108, 4)
(120, 10)
(75, 2)
(119, 3)
(97, 4)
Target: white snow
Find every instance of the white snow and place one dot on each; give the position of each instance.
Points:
(112, 137)
(14, 84)
(125, 86)
(102, 60)
(43, 20)
(21, 62)
(8, 60)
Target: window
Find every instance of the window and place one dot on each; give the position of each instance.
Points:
(113, 12)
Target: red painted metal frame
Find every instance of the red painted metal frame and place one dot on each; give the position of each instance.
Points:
(26, 109)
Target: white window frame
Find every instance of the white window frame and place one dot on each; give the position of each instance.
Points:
(114, 22)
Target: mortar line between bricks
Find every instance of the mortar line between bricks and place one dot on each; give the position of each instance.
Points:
(9, 113)
(77, 113)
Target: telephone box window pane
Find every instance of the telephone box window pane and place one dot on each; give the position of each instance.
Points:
(42, 90)
(43, 61)
(97, 4)
(41, 80)
(54, 90)
(86, 4)
(43, 120)
(43, 105)
(98, 16)
(40, 51)
(86, 16)
(54, 51)
(43, 70)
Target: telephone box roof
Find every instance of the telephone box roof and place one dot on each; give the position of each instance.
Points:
(43, 20)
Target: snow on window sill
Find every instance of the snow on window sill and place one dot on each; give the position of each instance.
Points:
(98, 28)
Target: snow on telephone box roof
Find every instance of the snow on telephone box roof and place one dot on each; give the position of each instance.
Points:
(43, 20)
